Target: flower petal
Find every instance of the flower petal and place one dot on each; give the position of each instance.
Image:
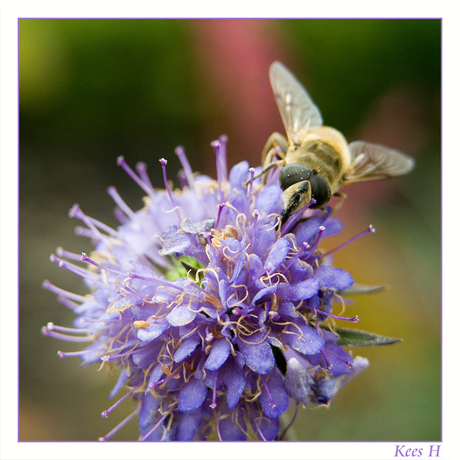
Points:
(186, 348)
(183, 243)
(176, 243)
(146, 356)
(274, 398)
(264, 238)
(156, 373)
(269, 428)
(233, 378)
(268, 198)
(192, 395)
(277, 254)
(230, 430)
(120, 382)
(297, 381)
(181, 316)
(306, 230)
(333, 226)
(239, 175)
(334, 358)
(334, 277)
(299, 291)
(189, 424)
(263, 292)
(219, 354)
(303, 339)
(148, 409)
(259, 356)
(327, 387)
(147, 334)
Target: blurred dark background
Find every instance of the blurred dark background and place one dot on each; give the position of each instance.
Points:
(91, 90)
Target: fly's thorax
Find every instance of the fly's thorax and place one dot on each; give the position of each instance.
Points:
(325, 150)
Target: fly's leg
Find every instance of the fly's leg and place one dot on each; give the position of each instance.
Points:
(275, 147)
(342, 197)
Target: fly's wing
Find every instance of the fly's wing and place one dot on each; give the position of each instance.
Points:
(297, 109)
(373, 162)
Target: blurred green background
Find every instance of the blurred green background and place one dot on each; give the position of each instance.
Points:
(91, 90)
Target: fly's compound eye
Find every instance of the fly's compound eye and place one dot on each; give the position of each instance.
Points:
(320, 189)
(293, 173)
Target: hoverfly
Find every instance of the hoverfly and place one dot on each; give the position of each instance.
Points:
(316, 160)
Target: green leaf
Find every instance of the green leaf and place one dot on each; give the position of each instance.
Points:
(183, 266)
(355, 338)
(361, 289)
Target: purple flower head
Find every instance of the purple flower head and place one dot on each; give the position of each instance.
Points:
(217, 316)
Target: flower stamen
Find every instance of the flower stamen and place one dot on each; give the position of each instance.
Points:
(180, 152)
(154, 427)
(168, 189)
(321, 229)
(120, 425)
(69, 295)
(370, 229)
(50, 331)
(85, 258)
(78, 213)
(300, 253)
(121, 162)
(213, 404)
(141, 168)
(106, 413)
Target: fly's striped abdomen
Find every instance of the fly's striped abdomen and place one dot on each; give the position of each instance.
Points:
(321, 157)
(325, 150)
